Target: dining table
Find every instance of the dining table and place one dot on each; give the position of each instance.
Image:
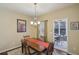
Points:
(36, 44)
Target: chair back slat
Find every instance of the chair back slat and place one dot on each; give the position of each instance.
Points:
(50, 48)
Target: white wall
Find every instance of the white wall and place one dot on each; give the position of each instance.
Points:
(9, 38)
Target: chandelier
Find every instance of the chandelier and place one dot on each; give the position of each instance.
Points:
(35, 20)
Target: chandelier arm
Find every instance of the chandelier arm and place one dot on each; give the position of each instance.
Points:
(35, 22)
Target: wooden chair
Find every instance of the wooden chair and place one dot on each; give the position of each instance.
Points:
(24, 45)
(26, 37)
(50, 49)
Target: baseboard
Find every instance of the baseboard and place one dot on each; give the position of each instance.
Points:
(8, 50)
(67, 52)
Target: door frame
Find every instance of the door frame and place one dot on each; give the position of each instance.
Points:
(45, 30)
(66, 19)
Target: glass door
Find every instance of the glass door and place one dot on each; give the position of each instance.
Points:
(60, 34)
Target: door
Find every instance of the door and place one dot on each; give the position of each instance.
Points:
(60, 34)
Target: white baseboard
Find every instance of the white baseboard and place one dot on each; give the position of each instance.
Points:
(9, 49)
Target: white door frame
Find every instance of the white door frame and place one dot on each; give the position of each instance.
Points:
(66, 19)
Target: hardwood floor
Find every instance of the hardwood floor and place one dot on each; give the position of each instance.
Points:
(19, 52)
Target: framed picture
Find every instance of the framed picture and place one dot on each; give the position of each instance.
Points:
(21, 25)
(78, 25)
(74, 25)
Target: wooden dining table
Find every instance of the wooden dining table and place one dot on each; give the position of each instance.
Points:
(36, 45)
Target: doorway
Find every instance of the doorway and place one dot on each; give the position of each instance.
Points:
(42, 31)
(60, 36)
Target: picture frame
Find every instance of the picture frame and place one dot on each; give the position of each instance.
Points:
(74, 25)
(21, 25)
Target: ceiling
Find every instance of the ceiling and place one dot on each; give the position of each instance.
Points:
(28, 8)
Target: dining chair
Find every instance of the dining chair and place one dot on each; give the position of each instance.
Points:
(26, 36)
(49, 50)
(24, 46)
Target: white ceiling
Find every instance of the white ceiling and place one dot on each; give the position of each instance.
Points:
(28, 8)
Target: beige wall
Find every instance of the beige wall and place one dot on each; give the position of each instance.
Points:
(9, 38)
(72, 13)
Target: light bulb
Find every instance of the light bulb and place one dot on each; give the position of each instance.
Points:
(31, 22)
(35, 23)
(38, 22)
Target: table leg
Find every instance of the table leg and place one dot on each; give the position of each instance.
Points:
(25, 50)
(22, 47)
(29, 50)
